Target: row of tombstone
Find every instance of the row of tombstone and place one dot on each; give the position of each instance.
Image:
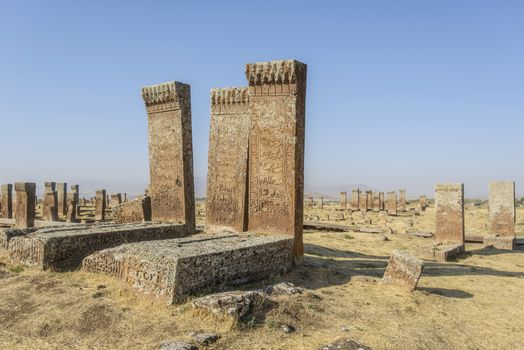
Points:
(375, 201)
(57, 202)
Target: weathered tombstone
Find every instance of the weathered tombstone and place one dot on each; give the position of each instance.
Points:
(136, 211)
(108, 201)
(381, 200)
(61, 194)
(226, 198)
(125, 197)
(501, 222)
(71, 207)
(100, 205)
(449, 220)
(355, 196)
(392, 203)
(402, 201)
(343, 204)
(276, 148)
(50, 202)
(172, 187)
(321, 203)
(6, 201)
(25, 204)
(369, 199)
(116, 200)
(403, 270)
(376, 202)
(422, 202)
(75, 189)
(363, 201)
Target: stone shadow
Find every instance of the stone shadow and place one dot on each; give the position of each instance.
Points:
(445, 292)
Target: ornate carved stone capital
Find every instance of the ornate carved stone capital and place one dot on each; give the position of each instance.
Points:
(276, 72)
(165, 96)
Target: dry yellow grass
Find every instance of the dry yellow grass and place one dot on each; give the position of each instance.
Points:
(474, 303)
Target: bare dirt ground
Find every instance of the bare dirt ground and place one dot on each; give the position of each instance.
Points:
(476, 302)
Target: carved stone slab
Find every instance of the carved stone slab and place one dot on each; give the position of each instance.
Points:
(174, 269)
(502, 208)
(391, 203)
(363, 201)
(226, 199)
(343, 204)
(403, 270)
(449, 212)
(355, 194)
(64, 248)
(170, 153)
(276, 148)
(6, 201)
(100, 205)
(61, 194)
(402, 201)
(133, 212)
(25, 204)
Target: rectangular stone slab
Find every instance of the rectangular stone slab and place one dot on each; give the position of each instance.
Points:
(403, 270)
(172, 270)
(449, 213)
(502, 208)
(64, 248)
(226, 199)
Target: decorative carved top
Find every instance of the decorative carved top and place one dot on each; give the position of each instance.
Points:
(25, 187)
(229, 95)
(171, 91)
(276, 72)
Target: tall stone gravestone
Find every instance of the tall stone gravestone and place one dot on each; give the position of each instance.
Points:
(25, 204)
(355, 194)
(276, 148)
(100, 205)
(391, 203)
(61, 193)
(226, 198)
(501, 222)
(6, 201)
(343, 204)
(449, 220)
(172, 187)
(402, 200)
(50, 202)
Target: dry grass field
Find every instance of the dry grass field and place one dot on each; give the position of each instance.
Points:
(476, 302)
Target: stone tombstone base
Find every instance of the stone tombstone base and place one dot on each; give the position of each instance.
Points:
(501, 242)
(447, 252)
(64, 248)
(172, 270)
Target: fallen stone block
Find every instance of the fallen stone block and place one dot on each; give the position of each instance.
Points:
(345, 344)
(501, 242)
(370, 229)
(422, 234)
(6, 234)
(65, 247)
(236, 303)
(403, 270)
(174, 269)
(447, 252)
(204, 338)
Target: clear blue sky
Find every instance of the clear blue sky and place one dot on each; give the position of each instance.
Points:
(400, 93)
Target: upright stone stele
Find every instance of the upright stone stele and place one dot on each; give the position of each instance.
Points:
(321, 203)
(363, 201)
(381, 200)
(100, 205)
(116, 200)
(71, 207)
(49, 202)
(402, 201)
(422, 203)
(61, 194)
(391, 203)
(343, 204)
(75, 189)
(226, 198)
(449, 221)
(172, 187)
(6, 201)
(355, 196)
(376, 201)
(501, 221)
(369, 199)
(276, 148)
(25, 204)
